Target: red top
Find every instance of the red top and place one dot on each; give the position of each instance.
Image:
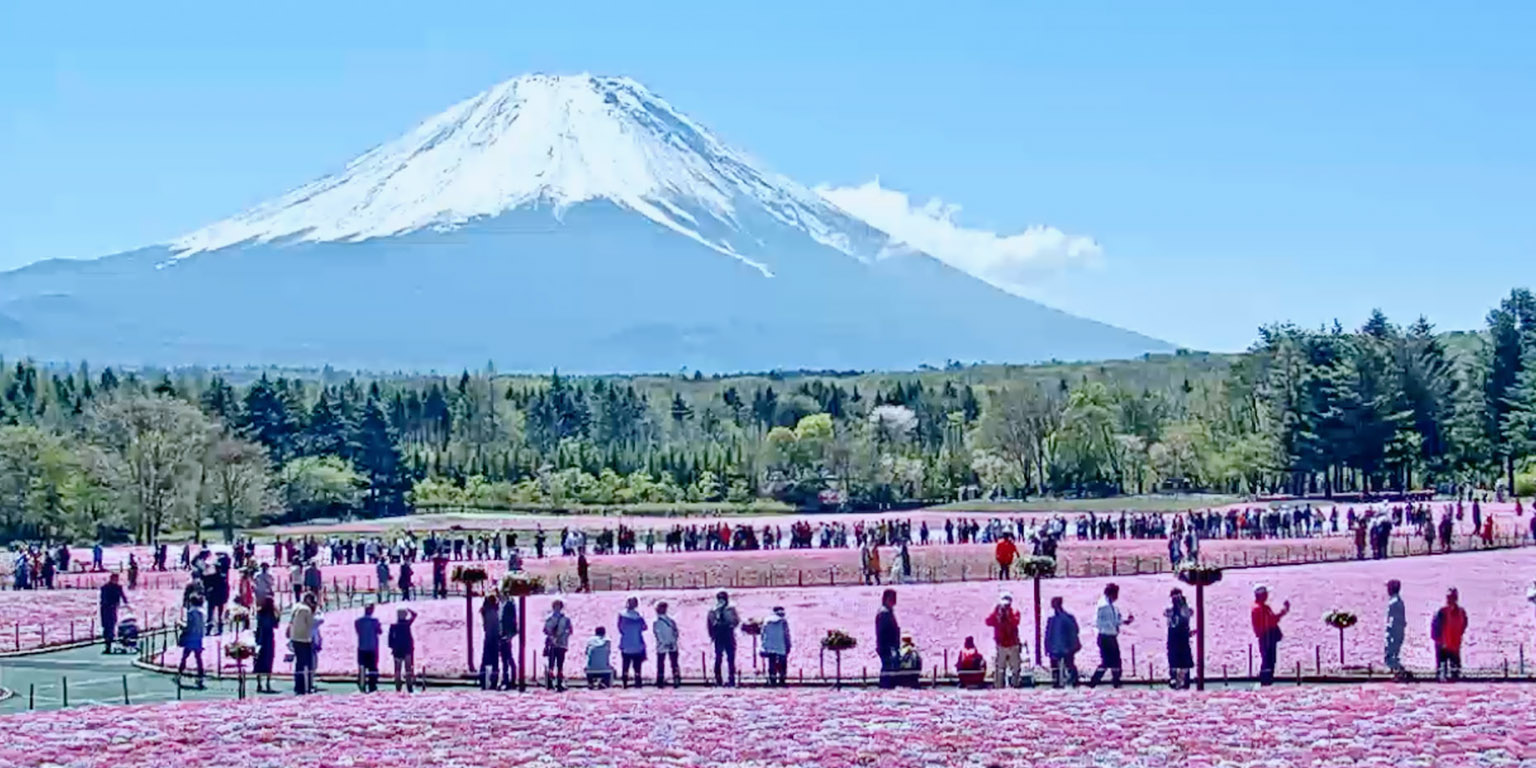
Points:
(1264, 619)
(1453, 624)
(1006, 551)
(1005, 626)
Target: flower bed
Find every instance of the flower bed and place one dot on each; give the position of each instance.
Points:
(1443, 726)
(41, 617)
(940, 616)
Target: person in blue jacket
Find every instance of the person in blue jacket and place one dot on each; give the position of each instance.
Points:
(632, 628)
(1062, 644)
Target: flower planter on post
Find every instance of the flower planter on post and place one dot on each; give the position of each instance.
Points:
(469, 576)
(1199, 576)
(753, 628)
(1037, 568)
(238, 652)
(520, 586)
(838, 641)
(1340, 620)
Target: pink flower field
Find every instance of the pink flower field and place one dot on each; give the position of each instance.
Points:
(37, 618)
(1441, 726)
(939, 616)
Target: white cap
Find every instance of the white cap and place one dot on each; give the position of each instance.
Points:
(1005, 597)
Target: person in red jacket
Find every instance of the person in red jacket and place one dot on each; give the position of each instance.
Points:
(971, 668)
(1447, 630)
(1266, 628)
(1006, 552)
(1004, 621)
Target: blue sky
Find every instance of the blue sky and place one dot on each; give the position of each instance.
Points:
(1237, 163)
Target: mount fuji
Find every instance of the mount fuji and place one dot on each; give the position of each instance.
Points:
(552, 221)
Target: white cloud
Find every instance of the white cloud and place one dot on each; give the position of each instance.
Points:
(1015, 263)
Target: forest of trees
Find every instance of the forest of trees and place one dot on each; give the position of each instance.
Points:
(139, 453)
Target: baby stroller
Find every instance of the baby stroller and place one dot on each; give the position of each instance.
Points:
(128, 634)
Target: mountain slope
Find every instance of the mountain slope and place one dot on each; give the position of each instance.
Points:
(576, 222)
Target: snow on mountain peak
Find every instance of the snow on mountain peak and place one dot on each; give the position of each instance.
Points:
(544, 140)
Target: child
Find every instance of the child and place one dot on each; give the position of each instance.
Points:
(599, 665)
(971, 667)
(192, 638)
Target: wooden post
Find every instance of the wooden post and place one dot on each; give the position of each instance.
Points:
(469, 627)
(1200, 638)
(522, 642)
(1037, 619)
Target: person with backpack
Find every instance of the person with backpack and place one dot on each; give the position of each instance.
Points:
(721, 624)
(557, 638)
(1266, 628)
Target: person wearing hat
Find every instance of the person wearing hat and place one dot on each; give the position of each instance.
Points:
(721, 624)
(1181, 659)
(1004, 621)
(1266, 627)
(1397, 625)
(1447, 629)
(776, 645)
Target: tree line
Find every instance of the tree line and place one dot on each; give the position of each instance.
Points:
(1304, 411)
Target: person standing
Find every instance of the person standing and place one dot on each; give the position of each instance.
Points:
(262, 588)
(405, 576)
(1447, 630)
(583, 572)
(510, 627)
(888, 639)
(1062, 642)
(133, 571)
(1004, 621)
(381, 578)
(301, 628)
(112, 598)
(490, 642)
(402, 647)
(665, 630)
(266, 644)
(1397, 626)
(632, 652)
(1107, 621)
(1005, 553)
(721, 625)
(1266, 629)
(557, 638)
(1181, 659)
(776, 646)
(368, 630)
(192, 639)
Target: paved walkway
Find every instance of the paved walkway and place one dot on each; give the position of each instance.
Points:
(88, 677)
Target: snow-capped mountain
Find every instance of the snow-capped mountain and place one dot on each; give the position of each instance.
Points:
(575, 221)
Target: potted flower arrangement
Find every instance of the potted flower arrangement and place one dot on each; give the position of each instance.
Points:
(239, 618)
(521, 584)
(1198, 574)
(470, 575)
(1038, 567)
(239, 651)
(1340, 620)
(753, 628)
(838, 641)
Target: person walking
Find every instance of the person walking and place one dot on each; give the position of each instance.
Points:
(1181, 659)
(665, 630)
(266, 644)
(1447, 630)
(510, 627)
(301, 628)
(381, 579)
(1062, 642)
(776, 646)
(1397, 626)
(1004, 621)
(557, 638)
(402, 648)
(1266, 629)
(192, 634)
(1108, 621)
(721, 624)
(112, 598)
(888, 639)
(632, 651)
(368, 630)
(1006, 552)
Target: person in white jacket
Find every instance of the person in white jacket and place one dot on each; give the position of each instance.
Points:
(665, 631)
(776, 645)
